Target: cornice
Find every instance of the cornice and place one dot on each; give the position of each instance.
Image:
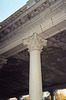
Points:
(15, 15)
(24, 19)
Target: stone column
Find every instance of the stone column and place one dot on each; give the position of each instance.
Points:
(35, 44)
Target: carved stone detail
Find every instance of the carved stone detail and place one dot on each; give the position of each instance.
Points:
(30, 3)
(42, 7)
(24, 19)
(35, 42)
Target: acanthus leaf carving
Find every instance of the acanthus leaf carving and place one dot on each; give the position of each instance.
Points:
(35, 42)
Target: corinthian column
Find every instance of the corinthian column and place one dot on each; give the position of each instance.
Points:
(35, 44)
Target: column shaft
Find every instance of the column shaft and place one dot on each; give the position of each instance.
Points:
(35, 84)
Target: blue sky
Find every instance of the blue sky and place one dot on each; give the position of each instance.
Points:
(8, 7)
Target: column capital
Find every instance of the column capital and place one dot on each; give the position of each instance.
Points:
(35, 42)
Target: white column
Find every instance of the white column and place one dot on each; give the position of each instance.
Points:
(35, 84)
(35, 44)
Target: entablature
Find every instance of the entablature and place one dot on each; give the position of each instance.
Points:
(15, 21)
(44, 17)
